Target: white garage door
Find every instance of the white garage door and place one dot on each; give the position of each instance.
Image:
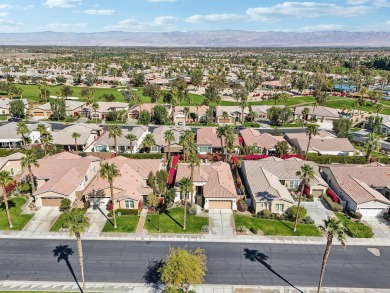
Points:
(370, 212)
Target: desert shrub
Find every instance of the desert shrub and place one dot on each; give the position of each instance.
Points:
(308, 220)
(127, 212)
(242, 229)
(241, 205)
(355, 215)
(204, 229)
(334, 206)
(264, 214)
(291, 213)
(192, 211)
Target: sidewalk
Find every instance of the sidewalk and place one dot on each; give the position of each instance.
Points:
(10, 286)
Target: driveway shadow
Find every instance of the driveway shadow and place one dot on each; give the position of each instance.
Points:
(152, 276)
(255, 256)
(62, 252)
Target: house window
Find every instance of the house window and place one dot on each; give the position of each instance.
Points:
(154, 148)
(129, 204)
(280, 208)
(12, 172)
(294, 184)
(203, 149)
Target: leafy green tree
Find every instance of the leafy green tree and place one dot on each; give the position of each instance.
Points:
(306, 174)
(66, 91)
(108, 97)
(139, 80)
(65, 205)
(131, 137)
(160, 115)
(371, 143)
(169, 137)
(229, 141)
(5, 179)
(153, 91)
(375, 123)
(58, 108)
(77, 222)
(278, 115)
(148, 142)
(76, 135)
(186, 140)
(281, 148)
(312, 130)
(320, 97)
(332, 228)
(110, 172)
(114, 131)
(95, 108)
(183, 268)
(196, 77)
(211, 92)
(186, 186)
(243, 104)
(153, 201)
(23, 130)
(30, 159)
(16, 108)
(342, 127)
(144, 117)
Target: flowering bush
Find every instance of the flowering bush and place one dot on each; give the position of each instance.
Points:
(332, 195)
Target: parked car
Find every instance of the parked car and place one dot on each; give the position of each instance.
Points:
(13, 119)
(237, 129)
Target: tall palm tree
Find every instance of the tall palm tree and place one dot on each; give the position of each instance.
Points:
(306, 174)
(333, 227)
(110, 172)
(5, 179)
(185, 140)
(95, 108)
(76, 135)
(46, 138)
(168, 138)
(229, 141)
(281, 148)
(131, 137)
(221, 133)
(371, 143)
(186, 186)
(218, 101)
(312, 130)
(148, 142)
(30, 159)
(194, 162)
(77, 222)
(22, 129)
(114, 131)
(243, 105)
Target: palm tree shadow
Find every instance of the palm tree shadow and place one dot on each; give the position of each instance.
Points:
(254, 255)
(11, 204)
(100, 210)
(168, 214)
(152, 276)
(62, 252)
(281, 222)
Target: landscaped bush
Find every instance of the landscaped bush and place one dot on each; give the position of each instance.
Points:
(7, 152)
(332, 195)
(334, 206)
(192, 211)
(355, 229)
(205, 229)
(264, 214)
(127, 212)
(65, 205)
(291, 213)
(242, 229)
(254, 230)
(308, 220)
(241, 205)
(355, 215)
(143, 156)
(327, 159)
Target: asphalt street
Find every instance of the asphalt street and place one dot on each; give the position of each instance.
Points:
(235, 264)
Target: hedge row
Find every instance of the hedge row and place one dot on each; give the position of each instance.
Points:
(7, 152)
(328, 159)
(127, 212)
(334, 206)
(143, 156)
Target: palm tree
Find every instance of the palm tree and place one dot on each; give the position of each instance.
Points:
(131, 137)
(243, 105)
(371, 143)
(77, 222)
(76, 135)
(221, 133)
(169, 137)
(186, 186)
(185, 140)
(229, 141)
(333, 227)
(281, 148)
(148, 142)
(194, 162)
(186, 111)
(306, 174)
(109, 172)
(22, 129)
(5, 179)
(312, 130)
(114, 131)
(29, 160)
(46, 138)
(378, 108)
(95, 108)
(218, 101)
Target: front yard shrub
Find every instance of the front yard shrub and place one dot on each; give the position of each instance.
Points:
(242, 229)
(192, 211)
(241, 205)
(291, 213)
(65, 205)
(264, 214)
(127, 212)
(355, 215)
(334, 206)
(254, 230)
(355, 229)
(205, 229)
(308, 220)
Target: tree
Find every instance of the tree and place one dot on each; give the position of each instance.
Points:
(281, 148)
(77, 222)
(29, 160)
(194, 162)
(95, 108)
(160, 115)
(371, 143)
(186, 140)
(186, 186)
(312, 130)
(221, 133)
(196, 77)
(183, 268)
(375, 123)
(168, 138)
(66, 91)
(148, 142)
(110, 172)
(108, 97)
(153, 201)
(306, 174)
(76, 135)
(278, 115)
(144, 117)
(131, 137)
(46, 139)
(378, 108)
(229, 141)
(153, 91)
(342, 127)
(320, 97)
(114, 131)
(139, 80)
(333, 227)
(16, 108)
(243, 105)
(5, 179)
(58, 108)
(22, 129)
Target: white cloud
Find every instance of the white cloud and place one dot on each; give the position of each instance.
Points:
(322, 27)
(62, 3)
(5, 6)
(27, 7)
(9, 25)
(64, 26)
(157, 24)
(155, 1)
(99, 12)
(4, 14)
(387, 22)
(357, 2)
(223, 17)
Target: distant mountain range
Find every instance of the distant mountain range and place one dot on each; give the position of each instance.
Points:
(222, 38)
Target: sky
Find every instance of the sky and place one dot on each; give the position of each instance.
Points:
(193, 15)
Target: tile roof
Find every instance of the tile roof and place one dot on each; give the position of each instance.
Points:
(324, 144)
(107, 106)
(69, 106)
(201, 110)
(218, 178)
(208, 136)
(301, 135)
(13, 157)
(318, 111)
(104, 139)
(232, 111)
(8, 130)
(159, 132)
(265, 140)
(4, 103)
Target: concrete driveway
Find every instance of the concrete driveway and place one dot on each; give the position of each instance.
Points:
(221, 222)
(97, 219)
(43, 220)
(379, 226)
(317, 211)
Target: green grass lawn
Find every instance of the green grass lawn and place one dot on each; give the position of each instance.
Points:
(355, 229)
(58, 224)
(374, 154)
(18, 219)
(3, 117)
(125, 224)
(172, 220)
(275, 227)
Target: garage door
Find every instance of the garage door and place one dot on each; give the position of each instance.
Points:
(51, 202)
(38, 114)
(317, 192)
(370, 212)
(220, 204)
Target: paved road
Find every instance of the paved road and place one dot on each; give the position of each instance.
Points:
(246, 264)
